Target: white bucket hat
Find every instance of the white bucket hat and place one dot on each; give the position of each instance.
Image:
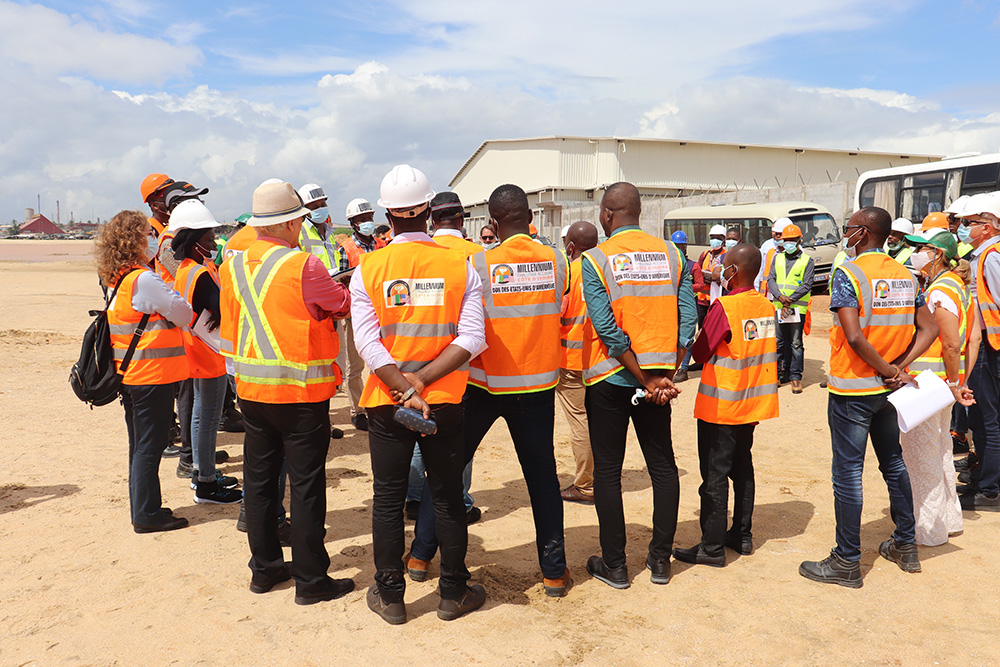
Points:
(274, 203)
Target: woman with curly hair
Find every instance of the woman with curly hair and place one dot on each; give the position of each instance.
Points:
(123, 249)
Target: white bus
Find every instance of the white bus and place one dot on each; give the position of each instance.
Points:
(915, 190)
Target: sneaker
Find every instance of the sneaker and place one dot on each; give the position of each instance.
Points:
(360, 421)
(659, 569)
(172, 451)
(224, 482)
(393, 613)
(556, 588)
(184, 469)
(449, 610)
(698, 556)
(416, 568)
(336, 433)
(330, 590)
(903, 555)
(680, 376)
(833, 570)
(959, 443)
(473, 514)
(980, 502)
(213, 493)
(615, 577)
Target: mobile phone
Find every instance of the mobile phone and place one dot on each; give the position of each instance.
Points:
(414, 420)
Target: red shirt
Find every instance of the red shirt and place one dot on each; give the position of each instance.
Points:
(324, 296)
(714, 331)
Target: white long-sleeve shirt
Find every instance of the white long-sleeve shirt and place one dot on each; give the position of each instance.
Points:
(151, 295)
(471, 320)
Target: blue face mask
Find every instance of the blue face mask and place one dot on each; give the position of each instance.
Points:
(964, 234)
(715, 243)
(319, 215)
(731, 243)
(366, 228)
(791, 247)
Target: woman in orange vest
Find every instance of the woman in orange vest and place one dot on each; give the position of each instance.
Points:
(197, 280)
(927, 448)
(739, 388)
(123, 249)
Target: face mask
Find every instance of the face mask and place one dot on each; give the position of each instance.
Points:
(206, 253)
(715, 243)
(848, 246)
(152, 247)
(366, 228)
(919, 260)
(319, 215)
(791, 247)
(896, 246)
(731, 243)
(725, 281)
(964, 234)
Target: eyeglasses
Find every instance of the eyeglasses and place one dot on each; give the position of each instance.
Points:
(846, 227)
(488, 238)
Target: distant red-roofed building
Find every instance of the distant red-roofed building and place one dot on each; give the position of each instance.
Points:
(41, 225)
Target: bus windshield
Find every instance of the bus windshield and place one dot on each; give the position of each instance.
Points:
(817, 229)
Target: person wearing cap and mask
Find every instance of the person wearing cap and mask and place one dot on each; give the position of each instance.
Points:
(317, 236)
(768, 249)
(361, 217)
(171, 195)
(789, 284)
(896, 245)
(982, 216)
(151, 190)
(710, 263)
(192, 228)
(277, 307)
(927, 447)
(680, 239)
(418, 314)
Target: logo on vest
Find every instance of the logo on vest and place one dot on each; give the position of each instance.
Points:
(526, 277)
(413, 292)
(892, 293)
(758, 328)
(640, 267)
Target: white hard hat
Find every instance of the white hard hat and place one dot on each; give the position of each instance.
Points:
(564, 232)
(191, 214)
(780, 224)
(958, 206)
(984, 202)
(717, 230)
(311, 192)
(902, 225)
(358, 206)
(404, 187)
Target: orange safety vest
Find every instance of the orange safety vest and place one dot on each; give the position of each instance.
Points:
(572, 317)
(204, 361)
(280, 353)
(640, 273)
(933, 359)
(523, 286)
(987, 302)
(354, 252)
(739, 384)
(164, 243)
(159, 357)
(157, 226)
(708, 262)
(240, 241)
(886, 305)
(417, 289)
(467, 247)
(768, 258)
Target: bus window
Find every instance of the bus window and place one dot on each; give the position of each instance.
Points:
(922, 194)
(880, 193)
(696, 230)
(817, 229)
(953, 190)
(980, 178)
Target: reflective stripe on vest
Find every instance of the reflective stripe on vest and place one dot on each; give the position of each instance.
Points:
(987, 302)
(768, 260)
(788, 282)
(572, 317)
(932, 359)
(204, 361)
(903, 255)
(311, 242)
(354, 252)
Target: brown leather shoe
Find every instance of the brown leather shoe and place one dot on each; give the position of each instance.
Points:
(573, 494)
(416, 568)
(393, 613)
(796, 386)
(556, 588)
(473, 599)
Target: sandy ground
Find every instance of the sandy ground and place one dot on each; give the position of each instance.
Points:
(78, 587)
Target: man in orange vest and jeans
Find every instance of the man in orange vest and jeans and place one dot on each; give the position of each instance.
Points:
(881, 323)
(638, 295)
(739, 387)
(277, 304)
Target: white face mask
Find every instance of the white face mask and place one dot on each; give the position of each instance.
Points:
(724, 280)
(152, 248)
(366, 228)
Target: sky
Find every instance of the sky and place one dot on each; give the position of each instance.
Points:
(101, 93)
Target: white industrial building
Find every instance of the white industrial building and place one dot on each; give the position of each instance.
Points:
(568, 174)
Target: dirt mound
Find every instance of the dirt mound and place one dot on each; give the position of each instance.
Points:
(19, 337)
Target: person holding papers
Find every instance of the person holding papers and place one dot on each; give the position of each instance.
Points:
(927, 448)
(790, 285)
(197, 280)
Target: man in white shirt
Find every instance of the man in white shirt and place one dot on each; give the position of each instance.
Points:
(771, 244)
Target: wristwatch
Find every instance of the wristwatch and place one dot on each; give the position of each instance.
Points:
(953, 384)
(409, 392)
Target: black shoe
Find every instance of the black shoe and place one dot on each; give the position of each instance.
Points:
(221, 456)
(172, 451)
(449, 610)
(331, 590)
(473, 514)
(698, 556)
(224, 482)
(959, 443)
(213, 493)
(393, 613)
(184, 469)
(962, 464)
(680, 376)
(659, 569)
(264, 585)
(784, 378)
(739, 544)
(233, 424)
(965, 477)
(822, 385)
(173, 523)
(964, 490)
(285, 533)
(903, 555)
(979, 502)
(360, 421)
(336, 433)
(412, 509)
(241, 521)
(833, 570)
(616, 577)
(175, 433)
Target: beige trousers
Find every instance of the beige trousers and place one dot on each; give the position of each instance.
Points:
(571, 393)
(351, 364)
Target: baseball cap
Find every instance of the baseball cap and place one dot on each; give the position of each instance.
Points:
(445, 202)
(937, 237)
(178, 191)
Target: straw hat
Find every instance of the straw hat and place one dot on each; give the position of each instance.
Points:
(274, 203)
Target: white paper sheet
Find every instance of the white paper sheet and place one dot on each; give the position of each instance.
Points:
(200, 329)
(915, 405)
(792, 318)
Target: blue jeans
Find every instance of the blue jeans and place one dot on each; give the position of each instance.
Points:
(209, 397)
(984, 418)
(853, 419)
(149, 414)
(791, 354)
(530, 419)
(418, 480)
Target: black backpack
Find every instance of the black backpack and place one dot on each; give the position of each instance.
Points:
(93, 377)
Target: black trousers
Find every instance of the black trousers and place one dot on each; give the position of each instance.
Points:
(391, 446)
(609, 409)
(185, 408)
(723, 455)
(299, 432)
